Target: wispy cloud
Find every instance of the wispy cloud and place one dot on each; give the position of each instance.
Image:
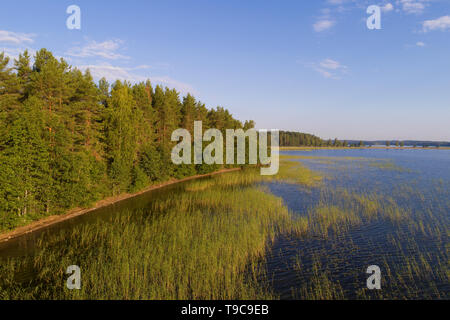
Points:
(106, 49)
(413, 6)
(113, 73)
(13, 53)
(331, 64)
(420, 44)
(387, 7)
(327, 19)
(337, 2)
(15, 37)
(442, 24)
(323, 24)
(329, 68)
(16, 43)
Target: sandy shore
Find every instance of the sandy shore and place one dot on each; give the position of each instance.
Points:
(47, 221)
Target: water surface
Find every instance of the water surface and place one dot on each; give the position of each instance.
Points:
(417, 181)
(412, 255)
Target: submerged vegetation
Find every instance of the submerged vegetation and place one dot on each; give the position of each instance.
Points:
(200, 245)
(215, 240)
(297, 173)
(343, 230)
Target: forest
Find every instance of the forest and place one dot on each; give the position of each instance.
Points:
(299, 139)
(66, 141)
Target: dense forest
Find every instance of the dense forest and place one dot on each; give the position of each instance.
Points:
(410, 143)
(296, 139)
(299, 139)
(67, 142)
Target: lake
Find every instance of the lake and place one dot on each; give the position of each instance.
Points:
(416, 181)
(388, 207)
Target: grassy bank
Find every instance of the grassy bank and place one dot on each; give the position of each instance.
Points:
(206, 243)
(33, 223)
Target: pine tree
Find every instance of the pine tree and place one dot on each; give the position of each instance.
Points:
(26, 182)
(50, 80)
(24, 71)
(121, 129)
(188, 113)
(9, 86)
(66, 142)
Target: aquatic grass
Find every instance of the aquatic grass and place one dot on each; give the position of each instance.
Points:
(388, 165)
(296, 173)
(320, 286)
(212, 240)
(200, 245)
(410, 268)
(328, 158)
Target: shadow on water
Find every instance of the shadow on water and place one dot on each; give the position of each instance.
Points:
(24, 245)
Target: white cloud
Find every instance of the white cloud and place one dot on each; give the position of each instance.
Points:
(113, 73)
(387, 8)
(420, 44)
(323, 25)
(325, 73)
(442, 23)
(15, 37)
(327, 19)
(329, 68)
(331, 64)
(336, 2)
(106, 49)
(413, 6)
(13, 53)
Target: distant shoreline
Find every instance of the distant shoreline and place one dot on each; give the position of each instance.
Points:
(353, 148)
(54, 219)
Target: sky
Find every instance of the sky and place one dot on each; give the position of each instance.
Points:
(309, 66)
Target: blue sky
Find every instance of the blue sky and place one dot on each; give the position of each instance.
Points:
(310, 66)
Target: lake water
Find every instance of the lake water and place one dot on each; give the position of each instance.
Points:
(412, 253)
(413, 260)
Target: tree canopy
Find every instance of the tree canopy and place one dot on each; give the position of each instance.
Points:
(66, 141)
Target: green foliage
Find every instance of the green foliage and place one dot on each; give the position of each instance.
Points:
(213, 250)
(297, 139)
(139, 180)
(66, 142)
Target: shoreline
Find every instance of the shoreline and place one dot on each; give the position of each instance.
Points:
(353, 148)
(54, 219)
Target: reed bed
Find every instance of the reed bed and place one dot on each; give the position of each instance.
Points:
(211, 242)
(198, 245)
(337, 241)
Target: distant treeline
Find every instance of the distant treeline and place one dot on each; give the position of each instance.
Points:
(295, 139)
(67, 142)
(299, 139)
(409, 143)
